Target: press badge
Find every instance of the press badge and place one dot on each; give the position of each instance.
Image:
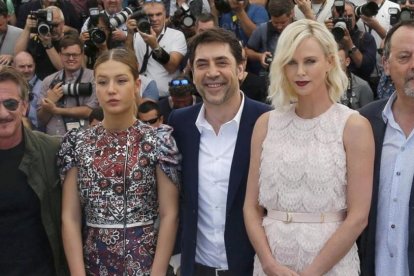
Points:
(72, 125)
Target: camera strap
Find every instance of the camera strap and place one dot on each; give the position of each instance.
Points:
(78, 79)
(319, 10)
(148, 53)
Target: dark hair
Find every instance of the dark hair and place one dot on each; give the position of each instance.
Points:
(182, 90)
(3, 8)
(216, 35)
(278, 8)
(11, 74)
(121, 55)
(341, 47)
(206, 17)
(390, 33)
(70, 40)
(96, 114)
(147, 106)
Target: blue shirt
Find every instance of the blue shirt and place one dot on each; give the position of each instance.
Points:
(396, 176)
(229, 21)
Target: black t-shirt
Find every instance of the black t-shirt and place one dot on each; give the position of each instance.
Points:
(255, 87)
(44, 67)
(24, 246)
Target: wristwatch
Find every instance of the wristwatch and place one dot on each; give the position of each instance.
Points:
(48, 46)
(157, 51)
(353, 50)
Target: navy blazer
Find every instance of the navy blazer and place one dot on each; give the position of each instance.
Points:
(239, 251)
(373, 112)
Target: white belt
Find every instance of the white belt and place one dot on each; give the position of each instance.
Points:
(293, 217)
(120, 226)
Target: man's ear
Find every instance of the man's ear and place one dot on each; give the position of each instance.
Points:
(386, 65)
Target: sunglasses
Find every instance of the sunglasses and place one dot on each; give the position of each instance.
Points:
(10, 104)
(150, 121)
(179, 82)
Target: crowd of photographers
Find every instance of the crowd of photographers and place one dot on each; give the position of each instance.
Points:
(60, 41)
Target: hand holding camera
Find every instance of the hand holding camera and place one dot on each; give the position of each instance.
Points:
(266, 59)
(55, 91)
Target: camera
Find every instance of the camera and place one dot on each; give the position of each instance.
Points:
(268, 60)
(341, 23)
(121, 17)
(73, 89)
(182, 17)
(143, 22)
(77, 89)
(96, 35)
(404, 15)
(368, 9)
(44, 21)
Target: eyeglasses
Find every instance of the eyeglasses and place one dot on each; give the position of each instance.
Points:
(10, 104)
(401, 2)
(179, 82)
(69, 55)
(150, 121)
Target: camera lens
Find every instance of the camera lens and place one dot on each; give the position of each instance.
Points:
(338, 30)
(97, 36)
(43, 29)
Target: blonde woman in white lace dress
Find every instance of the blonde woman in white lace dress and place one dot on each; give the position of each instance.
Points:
(310, 179)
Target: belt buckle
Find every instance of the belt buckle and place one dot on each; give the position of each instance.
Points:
(218, 270)
(289, 217)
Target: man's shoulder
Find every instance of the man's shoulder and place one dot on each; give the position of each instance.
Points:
(373, 108)
(257, 107)
(14, 30)
(185, 114)
(173, 33)
(49, 78)
(42, 142)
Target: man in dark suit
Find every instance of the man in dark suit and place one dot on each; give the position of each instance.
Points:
(214, 140)
(387, 245)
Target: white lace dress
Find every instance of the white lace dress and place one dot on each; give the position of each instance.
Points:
(303, 169)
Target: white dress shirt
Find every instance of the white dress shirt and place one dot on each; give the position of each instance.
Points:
(214, 163)
(396, 177)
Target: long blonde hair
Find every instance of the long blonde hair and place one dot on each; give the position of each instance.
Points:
(281, 93)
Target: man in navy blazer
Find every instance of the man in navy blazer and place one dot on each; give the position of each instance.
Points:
(214, 140)
(386, 246)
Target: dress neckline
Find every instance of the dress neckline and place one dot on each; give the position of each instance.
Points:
(297, 117)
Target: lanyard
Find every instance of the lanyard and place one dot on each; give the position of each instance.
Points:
(320, 9)
(148, 54)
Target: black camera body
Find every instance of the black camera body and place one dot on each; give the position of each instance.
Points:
(182, 17)
(143, 22)
(44, 21)
(96, 35)
(404, 15)
(341, 23)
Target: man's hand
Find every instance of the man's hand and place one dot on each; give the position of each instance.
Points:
(370, 21)
(329, 24)
(45, 39)
(150, 39)
(31, 23)
(55, 93)
(236, 6)
(131, 25)
(305, 6)
(118, 35)
(263, 58)
(48, 106)
(84, 36)
(6, 59)
(347, 40)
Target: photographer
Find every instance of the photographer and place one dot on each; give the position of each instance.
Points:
(319, 10)
(262, 43)
(360, 45)
(240, 17)
(62, 106)
(97, 39)
(43, 47)
(159, 48)
(112, 8)
(8, 36)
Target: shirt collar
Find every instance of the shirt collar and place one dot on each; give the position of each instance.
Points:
(387, 114)
(202, 122)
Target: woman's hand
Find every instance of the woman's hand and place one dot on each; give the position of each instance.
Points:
(275, 269)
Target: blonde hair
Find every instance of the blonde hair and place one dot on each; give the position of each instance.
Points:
(281, 93)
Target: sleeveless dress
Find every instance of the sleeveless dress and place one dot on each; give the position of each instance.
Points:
(303, 169)
(118, 193)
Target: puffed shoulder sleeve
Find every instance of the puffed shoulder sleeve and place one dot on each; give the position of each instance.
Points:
(66, 156)
(168, 157)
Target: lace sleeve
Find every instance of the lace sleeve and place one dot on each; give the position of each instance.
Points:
(66, 157)
(168, 157)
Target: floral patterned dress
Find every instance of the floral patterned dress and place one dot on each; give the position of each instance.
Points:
(118, 193)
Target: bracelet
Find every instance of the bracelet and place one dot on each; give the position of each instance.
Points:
(160, 55)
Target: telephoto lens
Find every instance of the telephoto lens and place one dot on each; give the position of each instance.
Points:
(77, 89)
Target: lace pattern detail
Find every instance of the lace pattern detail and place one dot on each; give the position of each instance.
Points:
(303, 169)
